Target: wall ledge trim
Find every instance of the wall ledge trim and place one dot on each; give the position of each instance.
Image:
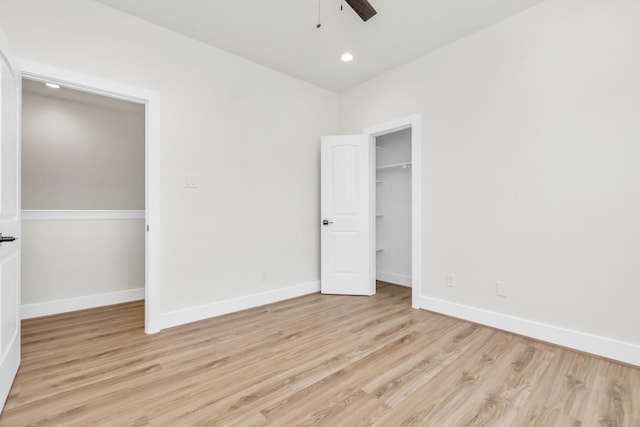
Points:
(601, 346)
(29, 311)
(206, 311)
(64, 214)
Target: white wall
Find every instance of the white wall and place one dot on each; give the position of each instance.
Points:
(393, 200)
(530, 151)
(250, 134)
(78, 154)
(530, 156)
(65, 259)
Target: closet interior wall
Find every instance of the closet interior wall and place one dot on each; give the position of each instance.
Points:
(393, 207)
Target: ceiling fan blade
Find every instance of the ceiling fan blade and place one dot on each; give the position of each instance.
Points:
(363, 8)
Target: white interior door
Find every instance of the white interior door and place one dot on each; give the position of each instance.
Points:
(346, 216)
(9, 219)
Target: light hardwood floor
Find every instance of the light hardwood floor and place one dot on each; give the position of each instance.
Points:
(314, 360)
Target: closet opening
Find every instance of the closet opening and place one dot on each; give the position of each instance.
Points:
(393, 207)
(150, 101)
(396, 204)
(83, 200)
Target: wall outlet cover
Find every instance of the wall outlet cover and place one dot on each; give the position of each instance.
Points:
(190, 181)
(451, 280)
(501, 289)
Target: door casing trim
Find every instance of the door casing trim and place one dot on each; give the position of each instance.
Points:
(409, 122)
(151, 100)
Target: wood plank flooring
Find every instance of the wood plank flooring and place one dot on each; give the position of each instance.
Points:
(314, 360)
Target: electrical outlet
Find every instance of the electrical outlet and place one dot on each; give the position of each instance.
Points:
(190, 181)
(265, 275)
(501, 289)
(451, 280)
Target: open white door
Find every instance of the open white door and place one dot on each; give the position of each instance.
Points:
(10, 96)
(346, 215)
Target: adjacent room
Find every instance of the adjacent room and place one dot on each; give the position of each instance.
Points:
(320, 212)
(83, 197)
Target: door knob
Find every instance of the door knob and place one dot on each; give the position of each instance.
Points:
(324, 222)
(6, 238)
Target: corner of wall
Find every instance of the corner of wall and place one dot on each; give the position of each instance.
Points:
(593, 344)
(219, 308)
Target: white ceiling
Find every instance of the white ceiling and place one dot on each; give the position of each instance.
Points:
(282, 34)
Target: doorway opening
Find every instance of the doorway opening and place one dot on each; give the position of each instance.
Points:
(395, 203)
(83, 172)
(150, 102)
(393, 207)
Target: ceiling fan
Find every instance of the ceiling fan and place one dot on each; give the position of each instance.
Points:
(363, 8)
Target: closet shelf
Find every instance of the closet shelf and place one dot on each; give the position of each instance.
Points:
(396, 165)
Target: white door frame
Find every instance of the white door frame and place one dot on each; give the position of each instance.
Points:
(151, 101)
(374, 131)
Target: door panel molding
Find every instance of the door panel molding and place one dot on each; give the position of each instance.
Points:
(346, 215)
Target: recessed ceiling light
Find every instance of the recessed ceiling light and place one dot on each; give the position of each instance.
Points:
(346, 57)
(53, 85)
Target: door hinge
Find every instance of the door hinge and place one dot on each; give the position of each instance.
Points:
(147, 227)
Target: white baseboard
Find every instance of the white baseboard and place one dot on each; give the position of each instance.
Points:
(601, 346)
(29, 311)
(193, 314)
(396, 279)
